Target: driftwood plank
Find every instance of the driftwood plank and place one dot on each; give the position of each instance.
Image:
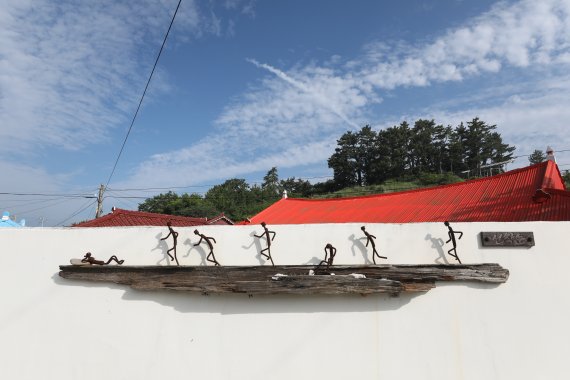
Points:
(391, 279)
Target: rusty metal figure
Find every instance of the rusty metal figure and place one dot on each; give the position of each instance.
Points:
(370, 239)
(451, 235)
(175, 239)
(329, 256)
(207, 239)
(269, 239)
(91, 260)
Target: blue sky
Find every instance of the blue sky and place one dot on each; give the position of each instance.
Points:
(246, 85)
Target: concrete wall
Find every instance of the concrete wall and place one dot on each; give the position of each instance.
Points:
(56, 328)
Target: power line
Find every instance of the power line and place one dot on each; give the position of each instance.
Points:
(43, 207)
(143, 95)
(50, 195)
(201, 186)
(89, 204)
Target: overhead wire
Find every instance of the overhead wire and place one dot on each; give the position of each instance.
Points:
(143, 95)
(50, 195)
(44, 207)
(80, 210)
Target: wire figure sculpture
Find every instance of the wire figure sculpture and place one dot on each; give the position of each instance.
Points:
(329, 256)
(175, 239)
(266, 233)
(370, 239)
(451, 233)
(207, 240)
(88, 258)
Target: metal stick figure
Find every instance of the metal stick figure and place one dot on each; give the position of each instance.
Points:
(91, 260)
(370, 239)
(329, 256)
(269, 240)
(451, 235)
(207, 239)
(175, 238)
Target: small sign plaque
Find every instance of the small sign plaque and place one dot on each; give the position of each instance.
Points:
(507, 239)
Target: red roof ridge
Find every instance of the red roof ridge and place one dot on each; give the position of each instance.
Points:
(550, 169)
(153, 215)
(219, 217)
(120, 217)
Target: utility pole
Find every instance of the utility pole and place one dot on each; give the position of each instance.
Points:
(100, 201)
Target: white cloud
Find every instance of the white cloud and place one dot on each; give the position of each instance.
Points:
(70, 71)
(527, 33)
(297, 109)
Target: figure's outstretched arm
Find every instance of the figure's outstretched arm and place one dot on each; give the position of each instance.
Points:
(167, 236)
(460, 234)
(258, 236)
(199, 241)
(450, 237)
(211, 238)
(367, 241)
(274, 234)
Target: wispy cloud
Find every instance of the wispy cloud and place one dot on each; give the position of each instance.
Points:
(528, 33)
(300, 108)
(72, 71)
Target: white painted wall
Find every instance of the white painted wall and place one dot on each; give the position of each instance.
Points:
(56, 328)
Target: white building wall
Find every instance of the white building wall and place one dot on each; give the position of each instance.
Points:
(56, 328)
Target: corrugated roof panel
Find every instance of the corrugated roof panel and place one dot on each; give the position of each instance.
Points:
(504, 197)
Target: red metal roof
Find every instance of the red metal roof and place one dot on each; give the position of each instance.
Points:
(506, 197)
(120, 218)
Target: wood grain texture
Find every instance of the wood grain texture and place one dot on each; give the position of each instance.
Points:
(392, 279)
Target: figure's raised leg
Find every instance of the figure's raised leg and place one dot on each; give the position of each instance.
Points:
(168, 253)
(377, 254)
(213, 259)
(454, 255)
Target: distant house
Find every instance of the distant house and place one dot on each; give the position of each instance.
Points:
(121, 218)
(7, 222)
(533, 193)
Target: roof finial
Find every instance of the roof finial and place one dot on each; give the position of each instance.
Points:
(550, 154)
(284, 194)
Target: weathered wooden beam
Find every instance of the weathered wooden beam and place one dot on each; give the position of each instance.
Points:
(391, 279)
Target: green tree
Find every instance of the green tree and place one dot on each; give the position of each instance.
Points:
(232, 197)
(195, 206)
(270, 183)
(484, 146)
(397, 139)
(427, 142)
(344, 161)
(161, 203)
(296, 188)
(192, 205)
(536, 157)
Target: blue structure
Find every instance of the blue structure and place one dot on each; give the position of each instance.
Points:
(7, 222)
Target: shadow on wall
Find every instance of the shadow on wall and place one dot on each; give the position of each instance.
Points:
(186, 302)
(438, 244)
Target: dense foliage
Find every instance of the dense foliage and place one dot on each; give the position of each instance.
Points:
(235, 198)
(367, 157)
